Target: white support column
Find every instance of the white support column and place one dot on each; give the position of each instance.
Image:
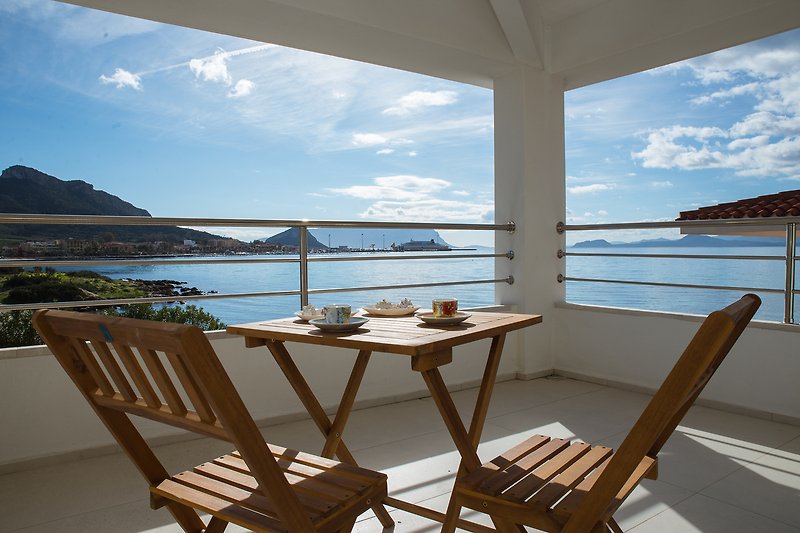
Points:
(529, 189)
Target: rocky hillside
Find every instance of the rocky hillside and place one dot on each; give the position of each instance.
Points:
(27, 190)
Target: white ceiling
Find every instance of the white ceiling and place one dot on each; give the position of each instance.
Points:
(477, 41)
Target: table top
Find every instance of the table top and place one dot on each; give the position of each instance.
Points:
(401, 335)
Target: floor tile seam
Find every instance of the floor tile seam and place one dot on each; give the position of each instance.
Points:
(669, 507)
(543, 404)
(762, 515)
(412, 437)
(145, 501)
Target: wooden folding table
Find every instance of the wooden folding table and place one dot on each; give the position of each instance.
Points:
(427, 346)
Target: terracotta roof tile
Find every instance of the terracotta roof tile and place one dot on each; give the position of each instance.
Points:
(782, 204)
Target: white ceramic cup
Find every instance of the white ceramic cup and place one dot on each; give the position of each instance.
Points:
(337, 313)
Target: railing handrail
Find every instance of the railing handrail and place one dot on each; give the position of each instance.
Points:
(107, 220)
(668, 224)
(790, 258)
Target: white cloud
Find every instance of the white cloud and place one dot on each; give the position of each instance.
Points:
(766, 141)
(122, 78)
(412, 153)
(602, 213)
(593, 188)
(416, 100)
(461, 193)
(385, 151)
(661, 184)
(368, 139)
(430, 210)
(402, 187)
(408, 197)
(243, 87)
(727, 94)
(433, 131)
(213, 68)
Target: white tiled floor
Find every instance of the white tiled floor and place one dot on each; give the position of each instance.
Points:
(720, 472)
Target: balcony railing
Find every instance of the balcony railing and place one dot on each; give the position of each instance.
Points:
(788, 225)
(303, 259)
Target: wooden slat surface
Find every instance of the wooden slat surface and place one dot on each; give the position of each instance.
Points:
(400, 335)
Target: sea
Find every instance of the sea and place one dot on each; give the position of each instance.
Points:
(231, 277)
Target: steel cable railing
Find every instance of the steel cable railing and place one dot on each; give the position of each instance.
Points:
(787, 224)
(302, 260)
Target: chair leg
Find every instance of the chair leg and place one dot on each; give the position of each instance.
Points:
(216, 525)
(613, 526)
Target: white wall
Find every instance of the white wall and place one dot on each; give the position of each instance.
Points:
(43, 414)
(759, 375)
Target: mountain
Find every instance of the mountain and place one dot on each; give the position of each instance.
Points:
(27, 190)
(686, 241)
(291, 237)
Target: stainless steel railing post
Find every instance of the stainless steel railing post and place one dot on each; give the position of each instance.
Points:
(791, 268)
(303, 266)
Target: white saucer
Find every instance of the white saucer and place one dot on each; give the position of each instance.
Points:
(355, 322)
(428, 318)
(394, 311)
(306, 318)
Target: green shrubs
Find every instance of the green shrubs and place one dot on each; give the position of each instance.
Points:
(16, 329)
(45, 286)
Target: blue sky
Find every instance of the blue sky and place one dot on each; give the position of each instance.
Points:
(188, 123)
(712, 129)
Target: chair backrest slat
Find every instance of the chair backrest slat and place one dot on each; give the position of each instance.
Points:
(163, 381)
(88, 360)
(705, 352)
(137, 374)
(201, 405)
(115, 372)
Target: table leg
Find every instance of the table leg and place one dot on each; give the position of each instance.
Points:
(332, 431)
(467, 443)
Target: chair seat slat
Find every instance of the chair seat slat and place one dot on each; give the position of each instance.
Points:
(323, 491)
(524, 465)
(216, 506)
(570, 477)
(338, 478)
(537, 478)
(474, 478)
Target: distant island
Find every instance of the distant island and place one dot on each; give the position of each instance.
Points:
(341, 239)
(694, 241)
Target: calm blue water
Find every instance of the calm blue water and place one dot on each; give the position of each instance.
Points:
(719, 272)
(240, 278)
(235, 277)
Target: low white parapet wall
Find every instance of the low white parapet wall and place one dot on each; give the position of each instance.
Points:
(637, 349)
(45, 419)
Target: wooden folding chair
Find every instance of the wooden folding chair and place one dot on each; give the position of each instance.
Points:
(573, 487)
(169, 373)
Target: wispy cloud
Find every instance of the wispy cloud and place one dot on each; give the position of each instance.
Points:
(122, 78)
(588, 189)
(385, 151)
(408, 197)
(661, 184)
(417, 100)
(403, 187)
